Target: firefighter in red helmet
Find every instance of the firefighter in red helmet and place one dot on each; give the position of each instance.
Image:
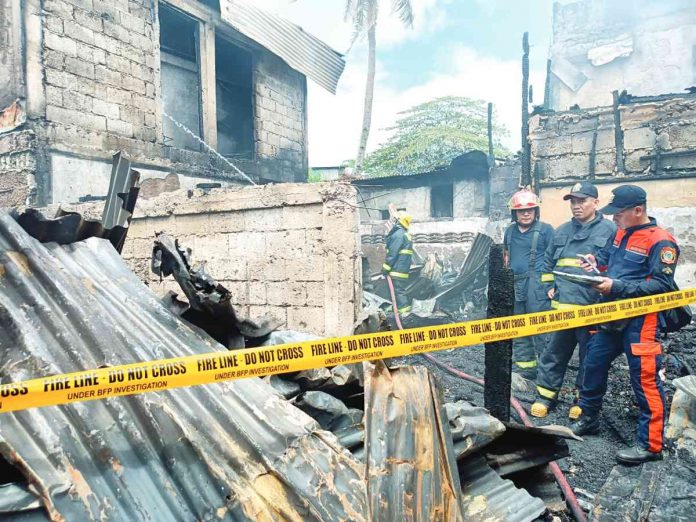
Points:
(525, 242)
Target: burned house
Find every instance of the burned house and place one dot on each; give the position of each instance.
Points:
(646, 48)
(620, 109)
(81, 80)
(449, 206)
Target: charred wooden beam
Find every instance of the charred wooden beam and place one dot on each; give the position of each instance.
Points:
(498, 355)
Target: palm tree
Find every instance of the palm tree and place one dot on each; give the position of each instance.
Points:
(363, 15)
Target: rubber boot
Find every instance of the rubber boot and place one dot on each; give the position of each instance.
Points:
(542, 407)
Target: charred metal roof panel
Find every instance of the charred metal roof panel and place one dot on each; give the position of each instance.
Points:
(411, 466)
(299, 49)
(486, 496)
(231, 451)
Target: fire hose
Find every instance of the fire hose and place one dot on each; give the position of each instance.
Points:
(566, 489)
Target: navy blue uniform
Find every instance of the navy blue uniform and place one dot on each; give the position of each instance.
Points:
(641, 262)
(397, 264)
(530, 295)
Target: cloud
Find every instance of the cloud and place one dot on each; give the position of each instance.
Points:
(335, 121)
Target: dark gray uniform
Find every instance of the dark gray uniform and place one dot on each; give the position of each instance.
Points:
(569, 239)
(525, 252)
(398, 263)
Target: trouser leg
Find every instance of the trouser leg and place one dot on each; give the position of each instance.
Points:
(538, 301)
(583, 336)
(554, 362)
(523, 354)
(403, 303)
(644, 356)
(603, 348)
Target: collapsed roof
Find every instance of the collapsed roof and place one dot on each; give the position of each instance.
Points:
(235, 451)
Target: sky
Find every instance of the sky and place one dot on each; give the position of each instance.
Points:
(469, 48)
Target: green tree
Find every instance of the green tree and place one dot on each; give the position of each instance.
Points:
(363, 14)
(432, 134)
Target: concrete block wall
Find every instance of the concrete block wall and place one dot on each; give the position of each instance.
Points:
(96, 90)
(281, 133)
(290, 251)
(561, 142)
(101, 70)
(17, 168)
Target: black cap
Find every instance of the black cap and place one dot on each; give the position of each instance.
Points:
(583, 189)
(625, 196)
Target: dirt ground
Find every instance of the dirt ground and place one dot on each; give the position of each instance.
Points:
(590, 461)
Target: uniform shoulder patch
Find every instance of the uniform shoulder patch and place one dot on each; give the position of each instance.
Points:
(668, 255)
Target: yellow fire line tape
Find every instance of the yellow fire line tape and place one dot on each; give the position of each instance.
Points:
(130, 379)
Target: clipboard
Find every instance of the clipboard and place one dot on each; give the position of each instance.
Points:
(581, 279)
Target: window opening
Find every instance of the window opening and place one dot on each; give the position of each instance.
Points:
(180, 76)
(235, 114)
(441, 201)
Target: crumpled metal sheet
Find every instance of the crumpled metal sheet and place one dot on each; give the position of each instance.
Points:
(472, 427)
(486, 497)
(662, 490)
(681, 428)
(209, 303)
(411, 470)
(230, 451)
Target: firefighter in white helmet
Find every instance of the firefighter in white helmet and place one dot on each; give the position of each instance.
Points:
(525, 242)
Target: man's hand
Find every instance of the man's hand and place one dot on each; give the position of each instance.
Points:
(591, 266)
(604, 287)
(551, 293)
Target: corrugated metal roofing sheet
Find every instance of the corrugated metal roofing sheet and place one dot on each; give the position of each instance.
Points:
(411, 467)
(232, 451)
(299, 49)
(488, 497)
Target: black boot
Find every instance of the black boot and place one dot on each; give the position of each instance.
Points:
(586, 425)
(637, 455)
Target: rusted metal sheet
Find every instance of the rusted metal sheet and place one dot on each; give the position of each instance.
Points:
(411, 469)
(302, 51)
(232, 451)
(12, 117)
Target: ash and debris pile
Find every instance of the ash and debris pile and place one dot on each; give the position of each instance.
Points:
(438, 296)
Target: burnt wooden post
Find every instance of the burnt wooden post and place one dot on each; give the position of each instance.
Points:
(618, 133)
(526, 147)
(498, 356)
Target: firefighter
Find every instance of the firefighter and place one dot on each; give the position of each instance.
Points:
(586, 233)
(525, 242)
(398, 260)
(639, 261)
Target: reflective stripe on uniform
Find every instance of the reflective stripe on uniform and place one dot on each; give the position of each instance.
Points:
(548, 278)
(545, 392)
(555, 305)
(568, 261)
(405, 251)
(526, 364)
(398, 274)
(404, 309)
(408, 236)
(386, 266)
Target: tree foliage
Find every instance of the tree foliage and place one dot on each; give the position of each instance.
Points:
(432, 134)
